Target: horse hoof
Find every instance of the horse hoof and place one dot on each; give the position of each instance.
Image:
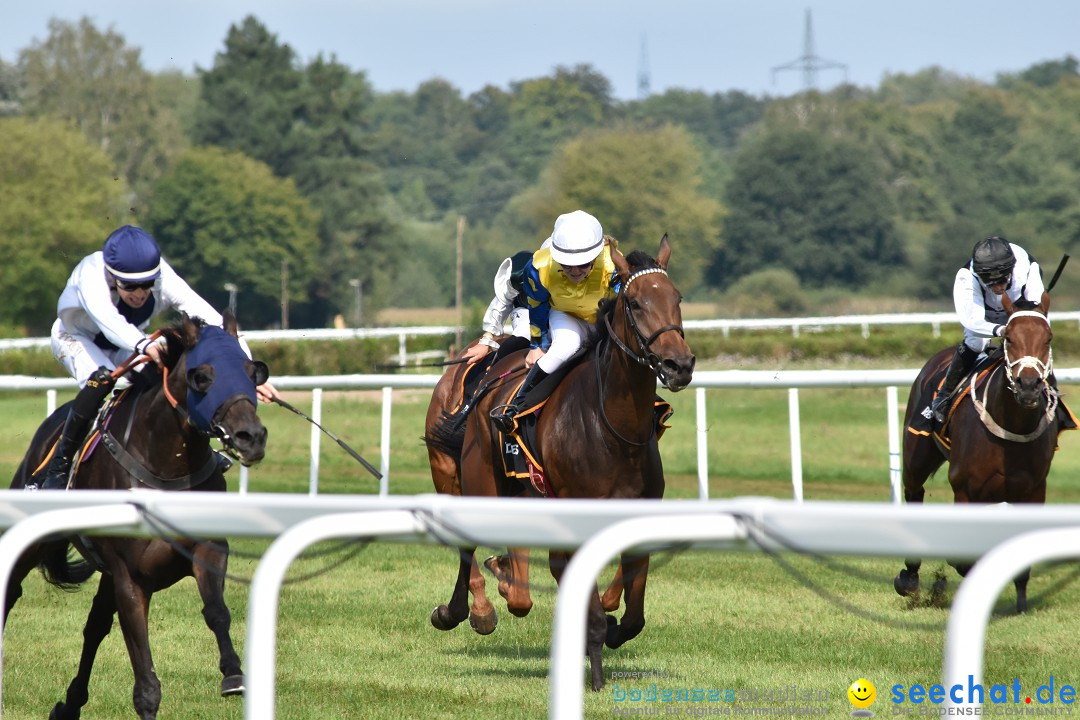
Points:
(441, 619)
(906, 583)
(58, 713)
(232, 685)
(611, 638)
(519, 610)
(483, 624)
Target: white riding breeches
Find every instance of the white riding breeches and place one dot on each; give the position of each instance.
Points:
(567, 333)
(80, 356)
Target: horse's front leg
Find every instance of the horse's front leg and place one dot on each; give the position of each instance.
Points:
(133, 609)
(211, 562)
(518, 599)
(98, 624)
(482, 616)
(449, 616)
(921, 458)
(635, 571)
(22, 568)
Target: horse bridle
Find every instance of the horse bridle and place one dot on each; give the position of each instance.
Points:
(1013, 368)
(646, 356)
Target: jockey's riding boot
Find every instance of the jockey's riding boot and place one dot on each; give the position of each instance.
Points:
(503, 416)
(963, 360)
(83, 409)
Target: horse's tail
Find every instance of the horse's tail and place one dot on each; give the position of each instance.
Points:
(448, 434)
(58, 568)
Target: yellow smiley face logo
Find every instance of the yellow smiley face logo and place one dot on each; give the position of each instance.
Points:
(862, 693)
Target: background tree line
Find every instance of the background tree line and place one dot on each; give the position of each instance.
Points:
(266, 171)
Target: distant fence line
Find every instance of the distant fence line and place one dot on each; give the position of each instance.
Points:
(796, 325)
(934, 320)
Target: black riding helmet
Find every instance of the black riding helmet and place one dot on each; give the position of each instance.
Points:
(992, 260)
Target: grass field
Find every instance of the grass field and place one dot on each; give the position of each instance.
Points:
(355, 641)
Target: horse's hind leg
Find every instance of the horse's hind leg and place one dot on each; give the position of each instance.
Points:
(98, 624)
(449, 616)
(1020, 582)
(209, 568)
(557, 561)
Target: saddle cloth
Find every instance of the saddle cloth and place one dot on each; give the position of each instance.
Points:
(522, 462)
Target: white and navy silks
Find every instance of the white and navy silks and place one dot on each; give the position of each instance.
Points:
(509, 300)
(95, 327)
(980, 310)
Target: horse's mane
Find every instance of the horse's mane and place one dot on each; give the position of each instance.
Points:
(637, 260)
(179, 339)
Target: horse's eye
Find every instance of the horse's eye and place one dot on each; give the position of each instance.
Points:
(634, 305)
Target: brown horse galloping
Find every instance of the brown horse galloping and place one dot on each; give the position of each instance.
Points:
(158, 436)
(1001, 438)
(596, 436)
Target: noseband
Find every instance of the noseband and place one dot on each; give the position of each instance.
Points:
(217, 430)
(646, 356)
(1013, 368)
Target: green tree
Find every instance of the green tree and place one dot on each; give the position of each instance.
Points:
(640, 184)
(812, 203)
(548, 111)
(251, 98)
(221, 217)
(61, 201)
(96, 81)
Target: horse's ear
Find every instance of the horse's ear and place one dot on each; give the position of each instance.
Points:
(229, 322)
(257, 371)
(201, 378)
(1007, 304)
(1044, 303)
(665, 252)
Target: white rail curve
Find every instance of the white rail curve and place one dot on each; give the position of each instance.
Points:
(600, 528)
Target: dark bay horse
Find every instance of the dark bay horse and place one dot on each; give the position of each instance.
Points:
(157, 436)
(446, 402)
(1001, 437)
(596, 436)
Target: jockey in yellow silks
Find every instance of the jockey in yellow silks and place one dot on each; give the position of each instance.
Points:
(564, 282)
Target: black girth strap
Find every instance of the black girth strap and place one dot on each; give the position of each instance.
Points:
(125, 460)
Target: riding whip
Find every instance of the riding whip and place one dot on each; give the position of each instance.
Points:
(445, 363)
(1057, 273)
(333, 437)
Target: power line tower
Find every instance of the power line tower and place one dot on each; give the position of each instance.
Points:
(809, 62)
(643, 84)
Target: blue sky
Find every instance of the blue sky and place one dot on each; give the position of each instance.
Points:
(711, 45)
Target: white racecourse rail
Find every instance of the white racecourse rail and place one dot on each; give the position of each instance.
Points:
(1015, 537)
(779, 379)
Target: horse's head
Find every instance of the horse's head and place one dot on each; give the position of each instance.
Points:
(652, 318)
(217, 381)
(1029, 359)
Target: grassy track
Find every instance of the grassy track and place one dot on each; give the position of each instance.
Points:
(355, 642)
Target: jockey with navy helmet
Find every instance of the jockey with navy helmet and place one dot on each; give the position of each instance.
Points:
(102, 316)
(997, 267)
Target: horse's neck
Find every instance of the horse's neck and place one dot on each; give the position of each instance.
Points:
(629, 389)
(170, 444)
